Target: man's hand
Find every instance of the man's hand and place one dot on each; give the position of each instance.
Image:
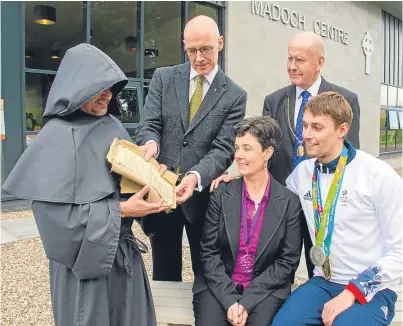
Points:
(336, 306)
(136, 206)
(150, 149)
(185, 189)
(232, 314)
(224, 177)
(242, 315)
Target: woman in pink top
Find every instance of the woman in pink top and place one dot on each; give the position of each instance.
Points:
(251, 239)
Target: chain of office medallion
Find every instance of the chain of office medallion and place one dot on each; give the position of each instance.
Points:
(289, 120)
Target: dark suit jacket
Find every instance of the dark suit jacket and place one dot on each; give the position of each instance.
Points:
(277, 253)
(275, 105)
(206, 145)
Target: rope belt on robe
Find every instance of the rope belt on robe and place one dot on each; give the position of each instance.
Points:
(136, 244)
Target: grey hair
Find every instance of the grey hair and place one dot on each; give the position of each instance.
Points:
(266, 130)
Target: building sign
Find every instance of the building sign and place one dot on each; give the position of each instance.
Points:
(296, 20)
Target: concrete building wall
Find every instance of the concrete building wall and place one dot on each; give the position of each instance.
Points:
(256, 55)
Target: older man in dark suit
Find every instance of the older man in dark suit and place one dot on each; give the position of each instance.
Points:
(189, 115)
(306, 56)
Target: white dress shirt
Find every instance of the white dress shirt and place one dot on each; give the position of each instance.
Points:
(208, 79)
(313, 90)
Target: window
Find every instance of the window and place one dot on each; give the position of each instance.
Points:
(37, 87)
(138, 47)
(392, 50)
(162, 35)
(51, 28)
(391, 119)
(196, 9)
(130, 112)
(115, 31)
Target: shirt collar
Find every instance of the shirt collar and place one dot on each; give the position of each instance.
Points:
(266, 192)
(209, 77)
(330, 167)
(313, 90)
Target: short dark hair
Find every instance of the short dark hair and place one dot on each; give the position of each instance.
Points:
(266, 130)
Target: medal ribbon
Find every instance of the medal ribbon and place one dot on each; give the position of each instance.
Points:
(323, 215)
(248, 237)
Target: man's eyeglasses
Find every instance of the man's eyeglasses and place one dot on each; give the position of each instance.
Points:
(204, 50)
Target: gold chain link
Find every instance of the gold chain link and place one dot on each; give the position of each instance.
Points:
(289, 120)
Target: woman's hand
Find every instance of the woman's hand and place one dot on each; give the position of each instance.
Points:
(232, 314)
(242, 315)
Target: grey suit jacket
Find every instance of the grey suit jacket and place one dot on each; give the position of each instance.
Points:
(206, 145)
(277, 253)
(275, 105)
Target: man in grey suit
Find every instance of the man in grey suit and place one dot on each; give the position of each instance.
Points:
(306, 56)
(189, 115)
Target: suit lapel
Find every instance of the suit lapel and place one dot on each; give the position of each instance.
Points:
(232, 200)
(182, 93)
(273, 216)
(214, 93)
(324, 86)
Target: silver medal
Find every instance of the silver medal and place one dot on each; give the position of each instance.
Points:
(317, 255)
(247, 263)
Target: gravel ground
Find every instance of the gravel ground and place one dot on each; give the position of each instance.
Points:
(12, 215)
(25, 297)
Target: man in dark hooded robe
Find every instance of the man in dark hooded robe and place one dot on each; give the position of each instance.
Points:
(97, 275)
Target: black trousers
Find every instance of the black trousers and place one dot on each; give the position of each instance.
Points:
(166, 244)
(209, 312)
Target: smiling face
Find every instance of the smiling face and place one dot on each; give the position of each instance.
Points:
(323, 139)
(98, 105)
(202, 43)
(250, 157)
(305, 59)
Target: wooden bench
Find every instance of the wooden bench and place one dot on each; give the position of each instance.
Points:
(173, 304)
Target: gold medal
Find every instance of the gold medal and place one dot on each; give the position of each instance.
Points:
(300, 150)
(327, 269)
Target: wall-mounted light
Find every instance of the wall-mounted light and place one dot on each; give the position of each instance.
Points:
(29, 54)
(45, 15)
(55, 54)
(91, 33)
(151, 53)
(131, 43)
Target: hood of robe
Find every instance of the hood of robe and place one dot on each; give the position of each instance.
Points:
(84, 72)
(66, 162)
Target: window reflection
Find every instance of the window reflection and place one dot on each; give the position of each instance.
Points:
(390, 138)
(162, 32)
(46, 44)
(196, 9)
(36, 94)
(130, 112)
(115, 31)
